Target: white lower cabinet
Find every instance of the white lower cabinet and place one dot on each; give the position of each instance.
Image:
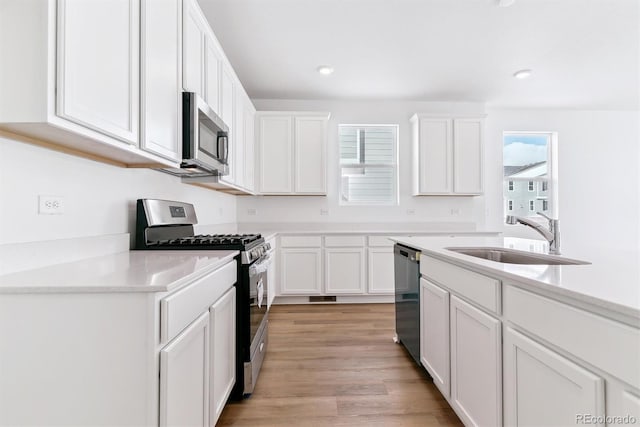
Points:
(543, 388)
(476, 370)
(434, 334)
(344, 270)
(301, 271)
(380, 263)
(184, 370)
(223, 360)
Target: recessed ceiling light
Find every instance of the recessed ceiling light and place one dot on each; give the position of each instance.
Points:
(325, 70)
(522, 74)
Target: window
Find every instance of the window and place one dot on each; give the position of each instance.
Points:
(529, 165)
(368, 164)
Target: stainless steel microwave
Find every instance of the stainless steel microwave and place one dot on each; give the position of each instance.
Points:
(205, 140)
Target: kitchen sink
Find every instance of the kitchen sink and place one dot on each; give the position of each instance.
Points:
(512, 256)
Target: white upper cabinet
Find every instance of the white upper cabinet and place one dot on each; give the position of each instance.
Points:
(275, 154)
(72, 77)
(207, 72)
(292, 153)
(433, 153)
(194, 30)
(250, 145)
(467, 156)
(448, 155)
(161, 78)
(310, 148)
(213, 65)
(98, 63)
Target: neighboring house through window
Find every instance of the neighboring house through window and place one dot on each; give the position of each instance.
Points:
(530, 166)
(368, 164)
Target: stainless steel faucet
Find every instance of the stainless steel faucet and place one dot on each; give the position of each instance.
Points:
(552, 234)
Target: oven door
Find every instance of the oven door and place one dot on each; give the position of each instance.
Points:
(258, 296)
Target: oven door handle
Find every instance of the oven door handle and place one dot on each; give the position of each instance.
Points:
(260, 266)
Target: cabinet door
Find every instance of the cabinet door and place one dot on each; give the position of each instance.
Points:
(434, 160)
(467, 155)
(542, 388)
(272, 275)
(300, 271)
(213, 61)
(310, 155)
(434, 330)
(227, 112)
(193, 36)
(98, 61)
(249, 145)
(275, 158)
(184, 377)
(381, 276)
(476, 381)
(344, 270)
(161, 77)
(223, 352)
(239, 138)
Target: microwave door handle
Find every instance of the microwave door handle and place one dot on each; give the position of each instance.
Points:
(225, 156)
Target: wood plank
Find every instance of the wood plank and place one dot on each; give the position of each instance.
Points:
(337, 365)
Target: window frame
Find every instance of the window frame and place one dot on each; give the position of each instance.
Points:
(395, 166)
(553, 189)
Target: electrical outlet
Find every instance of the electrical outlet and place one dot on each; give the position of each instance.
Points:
(50, 205)
(251, 212)
(324, 211)
(455, 212)
(411, 211)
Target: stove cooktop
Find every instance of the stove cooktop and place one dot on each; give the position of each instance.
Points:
(217, 241)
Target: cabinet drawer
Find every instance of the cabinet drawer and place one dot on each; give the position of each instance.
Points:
(606, 344)
(180, 308)
(344, 241)
(300, 241)
(380, 241)
(482, 290)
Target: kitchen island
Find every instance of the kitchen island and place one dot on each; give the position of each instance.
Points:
(519, 344)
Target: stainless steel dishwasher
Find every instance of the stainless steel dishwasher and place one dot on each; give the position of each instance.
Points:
(407, 290)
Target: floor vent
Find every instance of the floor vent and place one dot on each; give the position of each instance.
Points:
(323, 298)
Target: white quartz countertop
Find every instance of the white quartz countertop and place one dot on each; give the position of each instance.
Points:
(129, 271)
(611, 282)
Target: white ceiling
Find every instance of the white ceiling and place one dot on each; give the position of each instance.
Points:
(583, 53)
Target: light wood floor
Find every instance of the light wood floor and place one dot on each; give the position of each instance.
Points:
(337, 365)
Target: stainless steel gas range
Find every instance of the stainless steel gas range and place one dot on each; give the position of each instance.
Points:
(168, 225)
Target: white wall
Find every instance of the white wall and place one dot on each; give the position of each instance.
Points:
(99, 198)
(599, 179)
(307, 209)
(598, 168)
